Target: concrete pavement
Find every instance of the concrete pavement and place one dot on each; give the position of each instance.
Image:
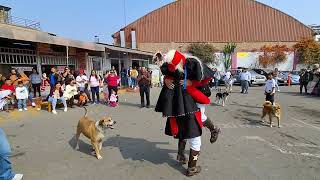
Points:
(138, 149)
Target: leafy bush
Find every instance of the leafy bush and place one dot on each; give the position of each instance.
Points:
(203, 51)
(308, 51)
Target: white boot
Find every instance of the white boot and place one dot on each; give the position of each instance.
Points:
(18, 177)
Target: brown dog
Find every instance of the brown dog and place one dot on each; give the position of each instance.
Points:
(272, 111)
(94, 131)
(38, 102)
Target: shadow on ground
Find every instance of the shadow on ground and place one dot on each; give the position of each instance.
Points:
(137, 105)
(137, 149)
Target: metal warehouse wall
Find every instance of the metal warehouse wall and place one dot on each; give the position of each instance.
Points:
(216, 21)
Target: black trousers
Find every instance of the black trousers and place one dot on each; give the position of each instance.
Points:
(145, 90)
(36, 87)
(115, 88)
(303, 84)
(270, 97)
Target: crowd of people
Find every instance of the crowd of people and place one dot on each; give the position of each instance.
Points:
(70, 88)
(310, 80)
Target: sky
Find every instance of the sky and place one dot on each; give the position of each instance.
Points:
(83, 19)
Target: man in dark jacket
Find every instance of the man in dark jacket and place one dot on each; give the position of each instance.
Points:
(304, 79)
(144, 82)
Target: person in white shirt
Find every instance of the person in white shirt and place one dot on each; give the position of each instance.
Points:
(227, 78)
(270, 88)
(245, 77)
(70, 92)
(217, 77)
(82, 80)
(22, 96)
(95, 85)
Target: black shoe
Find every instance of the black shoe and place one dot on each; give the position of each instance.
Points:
(142, 106)
(148, 106)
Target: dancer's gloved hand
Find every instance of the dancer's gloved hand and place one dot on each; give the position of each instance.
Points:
(189, 83)
(169, 83)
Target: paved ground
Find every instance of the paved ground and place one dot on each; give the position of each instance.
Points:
(138, 149)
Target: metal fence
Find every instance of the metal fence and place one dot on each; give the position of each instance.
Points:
(27, 23)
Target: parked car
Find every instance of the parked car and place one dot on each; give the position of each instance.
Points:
(264, 72)
(283, 77)
(256, 79)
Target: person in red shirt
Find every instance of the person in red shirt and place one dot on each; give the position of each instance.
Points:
(8, 86)
(113, 81)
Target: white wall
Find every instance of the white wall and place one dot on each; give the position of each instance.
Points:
(251, 60)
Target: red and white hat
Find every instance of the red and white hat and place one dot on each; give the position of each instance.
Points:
(175, 60)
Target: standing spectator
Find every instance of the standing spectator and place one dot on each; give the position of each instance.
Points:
(6, 172)
(94, 86)
(144, 81)
(129, 77)
(124, 77)
(81, 80)
(54, 78)
(113, 81)
(304, 79)
(36, 80)
(14, 77)
(226, 79)
(275, 77)
(134, 74)
(56, 95)
(67, 77)
(217, 77)
(114, 70)
(270, 88)
(22, 96)
(245, 77)
(105, 87)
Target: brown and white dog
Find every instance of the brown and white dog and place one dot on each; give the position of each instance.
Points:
(272, 111)
(95, 131)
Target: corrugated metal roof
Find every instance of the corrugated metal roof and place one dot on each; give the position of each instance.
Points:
(217, 21)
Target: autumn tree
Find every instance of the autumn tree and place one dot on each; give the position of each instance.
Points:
(273, 55)
(203, 51)
(308, 51)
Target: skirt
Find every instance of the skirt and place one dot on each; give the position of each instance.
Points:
(175, 103)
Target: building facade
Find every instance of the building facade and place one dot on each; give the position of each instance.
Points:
(248, 23)
(25, 48)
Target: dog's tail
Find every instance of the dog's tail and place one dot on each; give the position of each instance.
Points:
(86, 112)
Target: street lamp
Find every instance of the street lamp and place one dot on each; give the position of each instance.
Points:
(96, 39)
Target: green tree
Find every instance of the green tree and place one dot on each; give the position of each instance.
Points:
(203, 51)
(228, 50)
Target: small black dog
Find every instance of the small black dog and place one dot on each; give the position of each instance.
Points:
(221, 96)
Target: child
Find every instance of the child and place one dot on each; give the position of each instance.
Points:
(83, 99)
(270, 88)
(113, 99)
(22, 96)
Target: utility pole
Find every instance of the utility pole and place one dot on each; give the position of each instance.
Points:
(124, 13)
